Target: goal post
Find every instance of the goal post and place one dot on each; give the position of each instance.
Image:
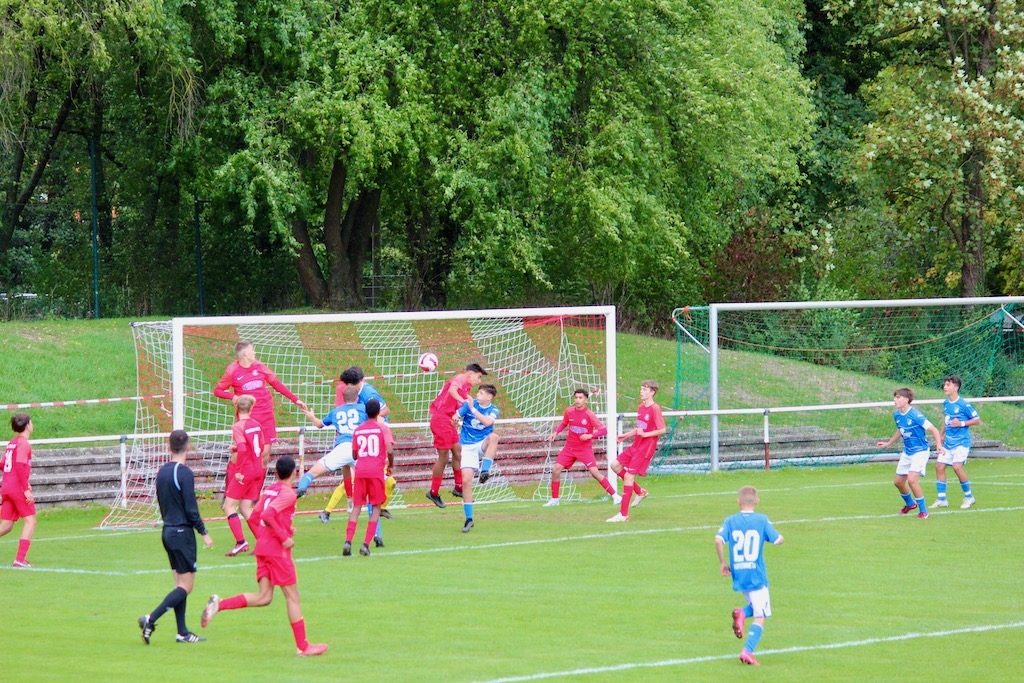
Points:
(770, 355)
(535, 356)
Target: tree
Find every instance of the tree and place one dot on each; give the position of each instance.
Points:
(945, 151)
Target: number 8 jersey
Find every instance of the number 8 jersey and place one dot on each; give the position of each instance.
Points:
(746, 533)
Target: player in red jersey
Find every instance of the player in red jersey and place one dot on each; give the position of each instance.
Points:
(15, 491)
(584, 427)
(249, 376)
(247, 470)
(371, 441)
(634, 460)
(274, 563)
(446, 436)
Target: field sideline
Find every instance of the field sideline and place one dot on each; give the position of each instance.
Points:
(858, 592)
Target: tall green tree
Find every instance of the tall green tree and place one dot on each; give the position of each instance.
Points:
(945, 151)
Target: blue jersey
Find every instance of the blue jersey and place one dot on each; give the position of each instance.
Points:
(345, 418)
(913, 428)
(474, 431)
(746, 533)
(369, 392)
(957, 410)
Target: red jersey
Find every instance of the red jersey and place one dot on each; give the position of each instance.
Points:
(17, 465)
(254, 381)
(580, 422)
(248, 437)
(370, 442)
(444, 404)
(648, 419)
(275, 511)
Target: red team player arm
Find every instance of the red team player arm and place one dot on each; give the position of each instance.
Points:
(601, 429)
(273, 381)
(225, 383)
(279, 531)
(21, 468)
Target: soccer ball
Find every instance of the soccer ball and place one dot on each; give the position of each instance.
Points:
(428, 362)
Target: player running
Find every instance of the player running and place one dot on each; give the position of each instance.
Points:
(15, 490)
(746, 532)
(274, 563)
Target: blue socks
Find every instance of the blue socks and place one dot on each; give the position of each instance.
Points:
(753, 637)
(304, 483)
(468, 509)
(485, 466)
(748, 611)
(966, 486)
(940, 489)
(907, 499)
(920, 504)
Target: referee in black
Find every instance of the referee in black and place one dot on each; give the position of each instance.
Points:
(176, 493)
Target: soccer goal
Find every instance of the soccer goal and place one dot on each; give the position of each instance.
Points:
(535, 357)
(822, 373)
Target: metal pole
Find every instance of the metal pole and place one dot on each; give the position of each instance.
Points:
(95, 233)
(199, 251)
(124, 471)
(713, 381)
(767, 454)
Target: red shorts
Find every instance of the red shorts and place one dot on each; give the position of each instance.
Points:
(15, 506)
(567, 457)
(634, 461)
(445, 434)
(368, 490)
(269, 426)
(245, 490)
(280, 570)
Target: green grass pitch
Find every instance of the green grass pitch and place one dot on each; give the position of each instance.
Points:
(858, 592)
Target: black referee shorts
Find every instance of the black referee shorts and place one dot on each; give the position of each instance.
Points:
(180, 544)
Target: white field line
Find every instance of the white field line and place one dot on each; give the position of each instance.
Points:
(509, 544)
(761, 653)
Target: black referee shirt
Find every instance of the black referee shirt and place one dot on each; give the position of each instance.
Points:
(176, 493)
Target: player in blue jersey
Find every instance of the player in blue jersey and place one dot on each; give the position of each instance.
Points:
(354, 377)
(958, 417)
(478, 416)
(911, 425)
(345, 418)
(746, 532)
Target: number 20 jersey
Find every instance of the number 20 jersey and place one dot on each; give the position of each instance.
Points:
(746, 533)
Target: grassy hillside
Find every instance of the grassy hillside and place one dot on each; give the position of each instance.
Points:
(87, 359)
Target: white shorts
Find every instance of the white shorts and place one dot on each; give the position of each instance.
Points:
(955, 456)
(760, 601)
(471, 455)
(917, 462)
(339, 457)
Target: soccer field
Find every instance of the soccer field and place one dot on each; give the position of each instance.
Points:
(859, 593)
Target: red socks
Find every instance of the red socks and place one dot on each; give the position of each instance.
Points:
(627, 493)
(348, 487)
(235, 523)
(350, 531)
(608, 486)
(371, 531)
(435, 485)
(234, 602)
(299, 630)
(23, 545)
(555, 485)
